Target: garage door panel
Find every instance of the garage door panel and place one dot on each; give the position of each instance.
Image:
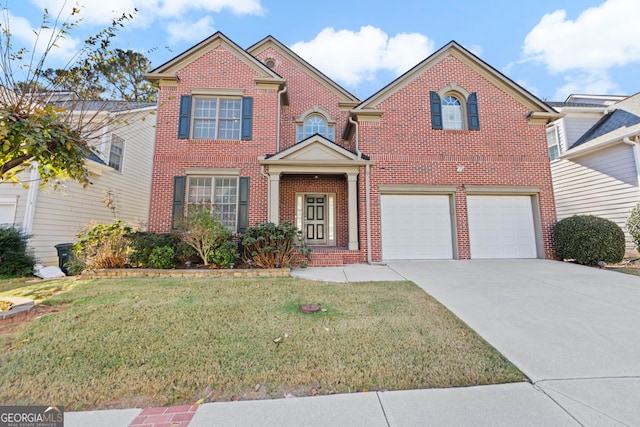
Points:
(416, 227)
(501, 227)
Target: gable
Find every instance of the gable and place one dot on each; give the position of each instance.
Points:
(270, 43)
(167, 71)
(537, 108)
(315, 149)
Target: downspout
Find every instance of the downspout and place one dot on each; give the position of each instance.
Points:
(280, 93)
(32, 196)
(636, 154)
(367, 192)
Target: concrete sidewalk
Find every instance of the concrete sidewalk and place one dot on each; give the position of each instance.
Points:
(573, 330)
(519, 404)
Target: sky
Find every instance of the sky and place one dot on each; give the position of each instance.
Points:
(553, 48)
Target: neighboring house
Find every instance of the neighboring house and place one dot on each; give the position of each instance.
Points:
(120, 174)
(449, 161)
(595, 160)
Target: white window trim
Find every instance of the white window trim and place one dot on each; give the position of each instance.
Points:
(217, 96)
(121, 168)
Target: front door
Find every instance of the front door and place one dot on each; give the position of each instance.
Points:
(315, 219)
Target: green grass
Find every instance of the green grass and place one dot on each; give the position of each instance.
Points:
(135, 342)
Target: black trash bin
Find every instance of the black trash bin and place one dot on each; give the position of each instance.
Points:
(65, 256)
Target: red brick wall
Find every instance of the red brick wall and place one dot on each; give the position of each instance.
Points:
(216, 69)
(304, 93)
(506, 151)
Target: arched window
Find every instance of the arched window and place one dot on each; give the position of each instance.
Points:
(313, 123)
(452, 113)
(454, 108)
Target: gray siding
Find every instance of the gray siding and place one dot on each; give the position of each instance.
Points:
(575, 127)
(603, 184)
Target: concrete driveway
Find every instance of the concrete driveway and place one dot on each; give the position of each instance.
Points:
(573, 330)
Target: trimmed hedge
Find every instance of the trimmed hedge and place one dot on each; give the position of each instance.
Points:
(588, 239)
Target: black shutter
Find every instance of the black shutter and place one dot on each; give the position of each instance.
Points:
(247, 117)
(436, 110)
(185, 117)
(243, 204)
(472, 110)
(177, 209)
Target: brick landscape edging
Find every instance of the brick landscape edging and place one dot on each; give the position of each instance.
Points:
(188, 273)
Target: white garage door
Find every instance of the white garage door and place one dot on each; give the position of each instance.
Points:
(501, 227)
(416, 227)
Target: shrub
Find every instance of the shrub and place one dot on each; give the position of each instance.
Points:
(143, 243)
(200, 230)
(103, 245)
(271, 246)
(162, 257)
(225, 255)
(587, 239)
(15, 259)
(633, 225)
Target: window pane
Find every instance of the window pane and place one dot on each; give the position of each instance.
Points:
(199, 192)
(552, 143)
(206, 107)
(204, 128)
(451, 113)
(313, 125)
(229, 121)
(553, 152)
(225, 201)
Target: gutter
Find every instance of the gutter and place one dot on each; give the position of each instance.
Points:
(586, 149)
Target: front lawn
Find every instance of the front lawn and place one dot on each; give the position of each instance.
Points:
(142, 342)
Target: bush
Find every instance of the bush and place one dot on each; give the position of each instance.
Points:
(204, 233)
(15, 259)
(103, 245)
(225, 255)
(588, 239)
(162, 257)
(271, 246)
(633, 225)
(143, 243)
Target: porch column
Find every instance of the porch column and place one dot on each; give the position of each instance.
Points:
(352, 179)
(274, 198)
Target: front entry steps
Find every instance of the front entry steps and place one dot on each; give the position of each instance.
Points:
(333, 257)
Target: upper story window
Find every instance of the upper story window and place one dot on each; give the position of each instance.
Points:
(116, 152)
(454, 108)
(452, 113)
(315, 122)
(213, 117)
(216, 118)
(552, 143)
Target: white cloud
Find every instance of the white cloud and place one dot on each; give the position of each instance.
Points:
(353, 57)
(36, 41)
(101, 12)
(585, 49)
(591, 82)
(197, 31)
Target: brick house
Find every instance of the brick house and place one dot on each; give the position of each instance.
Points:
(448, 161)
